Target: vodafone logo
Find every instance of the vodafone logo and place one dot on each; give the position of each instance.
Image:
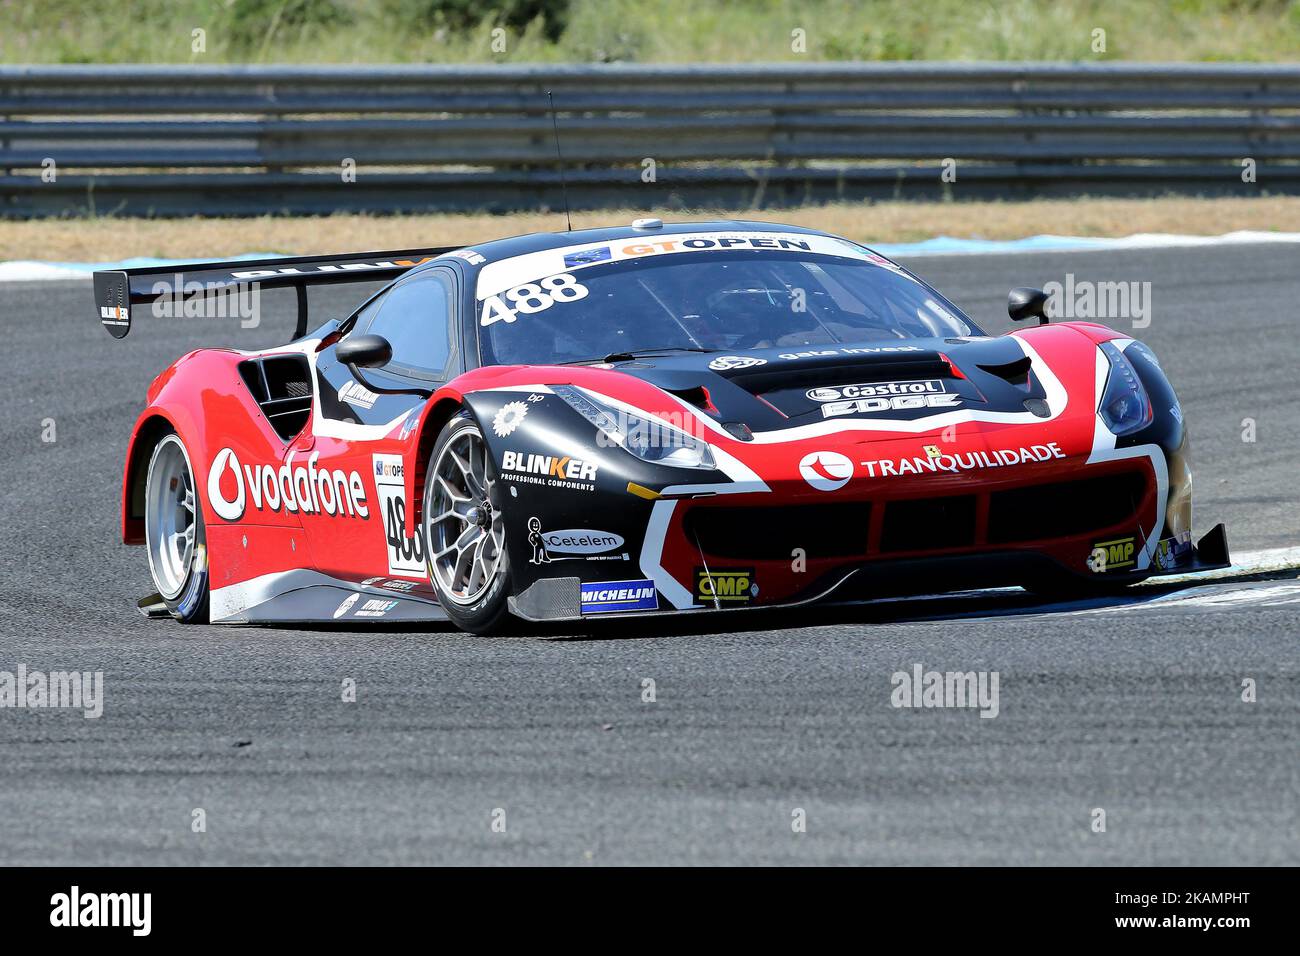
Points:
(826, 470)
(232, 509)
(232, 487)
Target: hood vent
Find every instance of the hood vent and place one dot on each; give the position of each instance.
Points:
(697, 396)
(1015, 373)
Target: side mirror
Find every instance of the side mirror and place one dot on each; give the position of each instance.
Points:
(372, 351)
(1026, 303)
(364, 351)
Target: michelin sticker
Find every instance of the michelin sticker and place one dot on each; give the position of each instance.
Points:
(606, 597)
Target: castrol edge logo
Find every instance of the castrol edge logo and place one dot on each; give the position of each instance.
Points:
(288, 488)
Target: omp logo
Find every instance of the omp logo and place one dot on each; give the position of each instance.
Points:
(826, 470)
(341, 267)
(232, 486)
(725, 585)
(131, 910)
(1113, 555)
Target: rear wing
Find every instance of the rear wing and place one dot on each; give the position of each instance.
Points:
(116, 291)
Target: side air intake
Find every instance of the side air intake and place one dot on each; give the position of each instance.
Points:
(281, 385)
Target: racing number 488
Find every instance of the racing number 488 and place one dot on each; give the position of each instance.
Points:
(532, 297)
(407, 551)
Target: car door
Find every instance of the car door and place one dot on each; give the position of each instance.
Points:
(358, 431)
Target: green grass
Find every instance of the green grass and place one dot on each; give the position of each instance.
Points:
(646, 31)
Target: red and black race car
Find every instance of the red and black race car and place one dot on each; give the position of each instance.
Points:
(640, 420)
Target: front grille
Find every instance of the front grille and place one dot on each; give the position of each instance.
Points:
(916, 525)
(928, 524)
(1064, 508)
(835, 530)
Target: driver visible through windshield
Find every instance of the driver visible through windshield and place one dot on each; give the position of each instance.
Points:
(700, 292)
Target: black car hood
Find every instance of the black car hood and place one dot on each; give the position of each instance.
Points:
(772, 389)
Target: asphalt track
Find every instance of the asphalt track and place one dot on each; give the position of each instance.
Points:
(1129, 706)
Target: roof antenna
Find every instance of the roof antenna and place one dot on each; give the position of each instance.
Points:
(559, 159)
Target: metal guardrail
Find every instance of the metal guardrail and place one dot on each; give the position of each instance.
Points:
(174, 140)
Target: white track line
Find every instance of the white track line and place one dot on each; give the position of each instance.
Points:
(1243, 564)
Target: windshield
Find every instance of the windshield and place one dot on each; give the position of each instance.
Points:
(726, 292)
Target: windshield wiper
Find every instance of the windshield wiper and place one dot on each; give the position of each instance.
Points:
(632, 354)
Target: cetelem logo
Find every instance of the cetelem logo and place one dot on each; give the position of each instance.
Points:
(579, 541)
(826, 470)
(287, 488)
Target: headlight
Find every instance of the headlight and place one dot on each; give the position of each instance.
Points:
(1125, 407)
(646, 436)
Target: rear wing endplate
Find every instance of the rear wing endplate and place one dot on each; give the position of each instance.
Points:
(117, 291)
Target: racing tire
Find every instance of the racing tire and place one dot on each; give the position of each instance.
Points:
(464, 529)
(175, 535)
